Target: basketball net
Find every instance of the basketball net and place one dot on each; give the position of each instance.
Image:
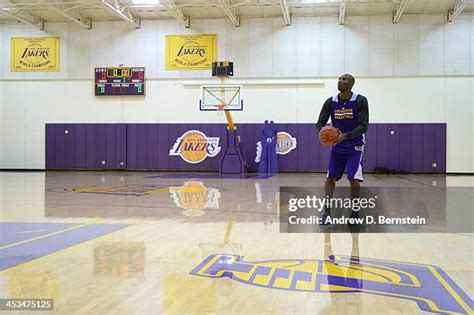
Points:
(220, 109)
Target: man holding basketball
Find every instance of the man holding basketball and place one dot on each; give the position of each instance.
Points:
(349, 113)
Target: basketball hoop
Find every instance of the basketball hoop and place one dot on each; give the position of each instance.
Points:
(224, 99)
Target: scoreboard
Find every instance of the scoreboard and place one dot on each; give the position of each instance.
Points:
(119, 81)
(223, 69)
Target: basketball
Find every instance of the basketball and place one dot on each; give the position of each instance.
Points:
(328, 136)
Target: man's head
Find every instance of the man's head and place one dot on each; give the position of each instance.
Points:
(345, 82)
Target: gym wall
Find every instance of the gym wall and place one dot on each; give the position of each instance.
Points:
(420, 70)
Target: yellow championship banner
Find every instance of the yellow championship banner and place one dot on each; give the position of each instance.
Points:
(40, 54)
(190, 52)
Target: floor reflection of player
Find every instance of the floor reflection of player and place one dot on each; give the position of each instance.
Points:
(347, 276)
(267, 194)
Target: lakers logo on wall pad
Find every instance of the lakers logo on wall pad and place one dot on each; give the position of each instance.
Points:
(429, 286)
(285, 143)
(194, 146)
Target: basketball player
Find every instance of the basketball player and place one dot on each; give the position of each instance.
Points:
(349, 113)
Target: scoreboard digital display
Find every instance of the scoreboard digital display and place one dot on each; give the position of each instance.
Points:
(119, 81)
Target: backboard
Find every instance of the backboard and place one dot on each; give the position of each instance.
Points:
(218, 97)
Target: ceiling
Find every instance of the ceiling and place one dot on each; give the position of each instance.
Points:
(81, 11)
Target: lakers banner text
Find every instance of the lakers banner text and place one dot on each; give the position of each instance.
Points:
(38, 54)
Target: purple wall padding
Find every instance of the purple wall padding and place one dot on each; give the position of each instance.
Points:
(85, 146)
(399, 147)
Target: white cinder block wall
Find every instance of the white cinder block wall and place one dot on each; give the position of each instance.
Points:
(419, 70)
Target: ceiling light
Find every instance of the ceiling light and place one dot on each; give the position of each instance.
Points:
(146, 2)
(319, 1)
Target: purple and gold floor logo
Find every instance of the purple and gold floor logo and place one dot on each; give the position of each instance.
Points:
(194, 146)
(429, 286)
(124, 190)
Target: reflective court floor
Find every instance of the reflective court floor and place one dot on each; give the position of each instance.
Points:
(158, 243)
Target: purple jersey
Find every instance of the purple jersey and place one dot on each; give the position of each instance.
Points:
(344, 118)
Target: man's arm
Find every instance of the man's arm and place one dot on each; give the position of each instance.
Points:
(324, 115)
(362, 118)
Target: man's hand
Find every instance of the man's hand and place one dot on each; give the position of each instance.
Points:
(342, 137)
